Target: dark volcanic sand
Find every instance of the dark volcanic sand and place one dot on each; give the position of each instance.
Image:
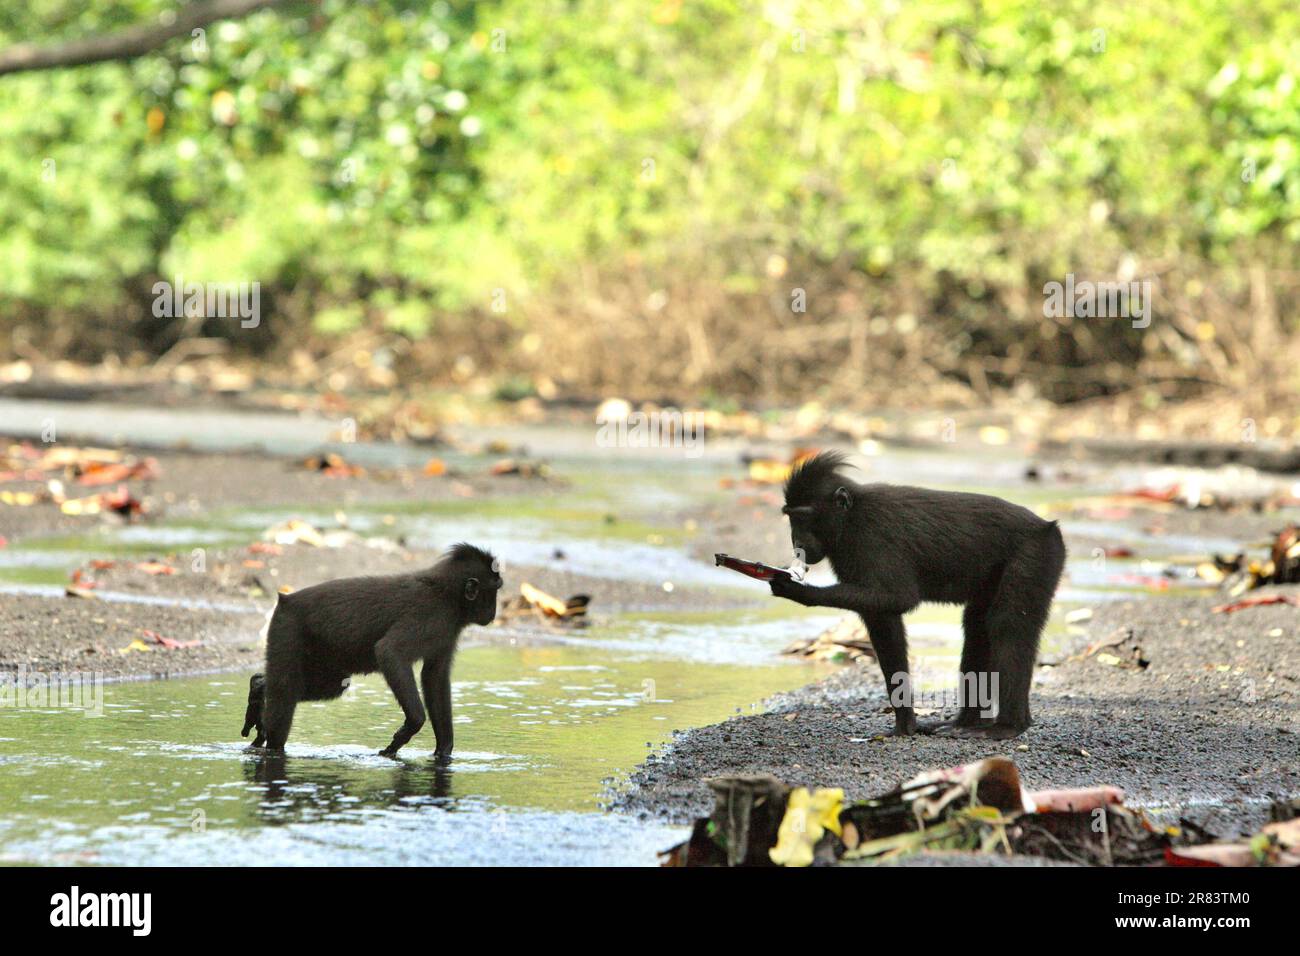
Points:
(1210, 728)
(74, 634)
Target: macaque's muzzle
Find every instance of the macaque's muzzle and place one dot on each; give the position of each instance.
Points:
(489, 601)
(809, 549)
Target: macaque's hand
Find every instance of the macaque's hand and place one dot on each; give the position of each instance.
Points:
(791, 590)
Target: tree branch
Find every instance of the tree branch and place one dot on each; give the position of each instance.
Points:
(129, 43)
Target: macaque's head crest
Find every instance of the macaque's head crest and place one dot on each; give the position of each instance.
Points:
(814, 480)
(483, 562)
(817, 496)
(481, 577)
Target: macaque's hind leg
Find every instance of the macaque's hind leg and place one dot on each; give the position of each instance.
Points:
(889, 639)
(277, 717)
(1016, 619)
(284, 676)
(976, 662)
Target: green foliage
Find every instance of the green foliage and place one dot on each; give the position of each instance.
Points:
(399, 159)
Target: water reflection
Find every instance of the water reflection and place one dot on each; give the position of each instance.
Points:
(297, 789)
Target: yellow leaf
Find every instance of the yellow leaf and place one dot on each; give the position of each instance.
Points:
(81, 506)
(539, 598)
(807, 817)
(768, 472)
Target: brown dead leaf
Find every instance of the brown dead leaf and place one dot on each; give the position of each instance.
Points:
(1258, 601)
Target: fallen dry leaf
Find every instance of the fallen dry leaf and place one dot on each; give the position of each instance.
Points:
(168, 642)
(1258, 601)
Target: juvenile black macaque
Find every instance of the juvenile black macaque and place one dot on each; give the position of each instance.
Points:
(892, 547)
(322, 635)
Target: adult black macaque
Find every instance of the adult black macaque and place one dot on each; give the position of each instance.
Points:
(892, 547)
(322, 635)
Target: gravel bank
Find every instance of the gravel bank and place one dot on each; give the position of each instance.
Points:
(1209, 730)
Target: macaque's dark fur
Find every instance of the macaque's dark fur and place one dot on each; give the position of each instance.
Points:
(893, 547)
(322, 635)
(253, 715)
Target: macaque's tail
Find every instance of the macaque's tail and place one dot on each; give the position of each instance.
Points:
(1054, 552)
(256, 699)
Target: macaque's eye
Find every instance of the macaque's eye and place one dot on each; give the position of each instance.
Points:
(843, 500)
(471, 589)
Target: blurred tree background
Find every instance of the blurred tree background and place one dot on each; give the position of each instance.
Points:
(577, 197)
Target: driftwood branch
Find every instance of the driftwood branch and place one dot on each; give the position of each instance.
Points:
(128, 43)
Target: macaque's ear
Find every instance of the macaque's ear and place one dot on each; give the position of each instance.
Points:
(471, 590)
(843, 500)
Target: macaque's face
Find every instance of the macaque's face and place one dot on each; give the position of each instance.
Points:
(814, 528)
(481, 592)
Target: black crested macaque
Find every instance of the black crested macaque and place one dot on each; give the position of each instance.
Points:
(892, 547)
(322, 635)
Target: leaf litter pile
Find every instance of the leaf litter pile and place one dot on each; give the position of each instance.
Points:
(975, 808)
(535, 604)
(60, 467)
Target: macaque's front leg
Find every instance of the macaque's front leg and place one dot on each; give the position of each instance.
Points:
(436, 679)
(401, 680)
